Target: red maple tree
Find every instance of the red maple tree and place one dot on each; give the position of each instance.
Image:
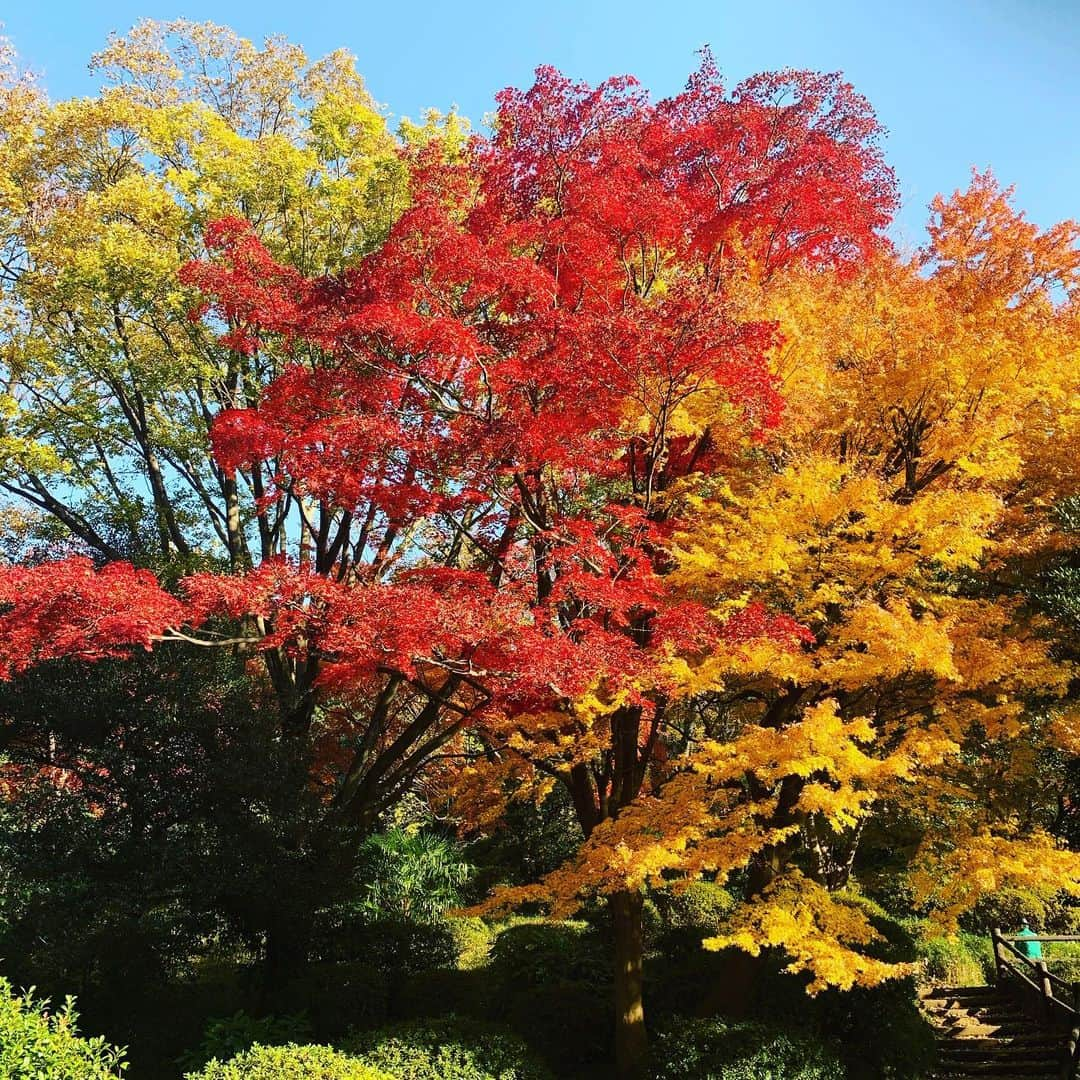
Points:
(479, 432)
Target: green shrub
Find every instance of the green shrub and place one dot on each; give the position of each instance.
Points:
(961, 960)
(411, 874)
(337, 997)
(716, 1050)
(569, 1024)
(879, 1031)
(448, 1049)
(1052, 913)
(1063, 959)
(702, 905)
(39, 1044)
(543, 952)
(438, 993)
(393, 947)
(473, 939)
(289, 1063)
(226, 1036)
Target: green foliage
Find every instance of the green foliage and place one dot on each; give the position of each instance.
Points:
(719, 1050)
(879, 1032)
(1009, 909)
(473, 939)
(410, 874)
(168, 826)
(534, 841)
(226, 1036)
(702, 905)
(448, 1049)
(37, 1043)
(541, 952)
(1063, 959)
(956, 961)
(392, 947)
(289, 1063)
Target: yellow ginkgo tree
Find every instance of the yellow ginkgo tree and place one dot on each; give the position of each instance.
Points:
(933, 411)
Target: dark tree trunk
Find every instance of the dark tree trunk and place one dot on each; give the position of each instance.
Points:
(631, 1039)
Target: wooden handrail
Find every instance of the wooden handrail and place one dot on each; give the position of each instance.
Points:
(1037, 985)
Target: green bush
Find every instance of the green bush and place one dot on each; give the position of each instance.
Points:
(448, 1049)
(393, 947)
(717, 1050)
(473, 939)
(879, 1031)
(226, 1036)
(289, 1063)
(39, 1044)
(337, 997)
(702, 905)
(961, 960)
(543, 952)
(1063, 959)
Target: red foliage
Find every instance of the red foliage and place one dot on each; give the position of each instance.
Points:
(506, 365)
(70, 608)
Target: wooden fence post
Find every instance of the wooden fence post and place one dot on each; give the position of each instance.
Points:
(1047, 989)
(999, 959)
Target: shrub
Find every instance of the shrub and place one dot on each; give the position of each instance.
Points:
(473, 939)
(702, 905)
(879, 1031)
(1063, 959)
(35, 1043)
(411, 875)
(393, 947)
(960, 960)
(289, 1063)
(716, 1050)
(543, 952)
(448, 1049)
(227, 1036)
(569, 1024)
(338, 997)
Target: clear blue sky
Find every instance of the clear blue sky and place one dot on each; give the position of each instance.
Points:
(958, 83)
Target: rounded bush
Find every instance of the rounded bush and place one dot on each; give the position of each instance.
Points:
(715, 1050)
(448, 1049)
(289, 1063)
(36, 1042)
(545, 952)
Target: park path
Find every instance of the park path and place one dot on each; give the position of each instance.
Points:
(982, 1032)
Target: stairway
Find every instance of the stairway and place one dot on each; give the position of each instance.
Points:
(982, 1033)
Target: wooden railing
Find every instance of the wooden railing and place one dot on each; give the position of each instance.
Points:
(1048, 1000)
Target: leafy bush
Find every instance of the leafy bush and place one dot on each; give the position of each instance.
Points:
(411, 875)
(473, 939)
(1063, 959)
(701, 905)
(569, 1024)
(960, 960)
(229, 1035)
(338, 997)
(289, 1063)
(36, 1043)
(448, 1049)
(879, 1031)
(542, 952)
(717, 1050)
(392, 947)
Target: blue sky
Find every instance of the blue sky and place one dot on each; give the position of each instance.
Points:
(958, 83)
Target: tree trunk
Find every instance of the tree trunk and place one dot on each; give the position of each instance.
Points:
(631, 1040)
